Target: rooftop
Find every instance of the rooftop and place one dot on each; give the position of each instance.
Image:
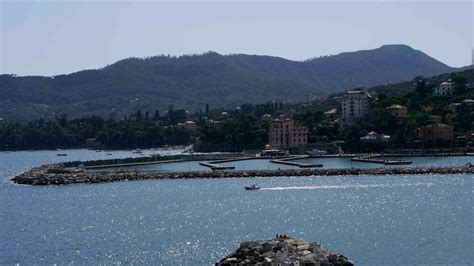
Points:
(396, 106)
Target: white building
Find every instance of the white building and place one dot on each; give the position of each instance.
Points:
(375, 137)
(355, 106)
(445, 88)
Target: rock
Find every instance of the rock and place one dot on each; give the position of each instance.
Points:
(270, 252)
(248, 244)
(332, 257)
(267, 246)
(303, 247)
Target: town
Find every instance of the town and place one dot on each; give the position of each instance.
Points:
(435, 113)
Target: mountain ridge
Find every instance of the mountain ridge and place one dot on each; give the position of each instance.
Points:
(191, 81)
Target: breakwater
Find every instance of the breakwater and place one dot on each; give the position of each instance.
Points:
(283, 250)
(60, 174)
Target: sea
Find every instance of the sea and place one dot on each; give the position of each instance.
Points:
(372, 220)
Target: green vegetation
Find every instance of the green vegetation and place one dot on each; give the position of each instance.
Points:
(246, 127)
(135, 131)
(424, 108)
(190, 82)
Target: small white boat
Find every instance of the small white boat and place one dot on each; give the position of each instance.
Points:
(252, 187)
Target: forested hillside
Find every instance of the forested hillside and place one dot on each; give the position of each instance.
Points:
(192, 81)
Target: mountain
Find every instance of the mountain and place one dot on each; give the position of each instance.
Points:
(191, 81)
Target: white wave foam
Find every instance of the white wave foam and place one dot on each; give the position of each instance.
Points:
(352, 186)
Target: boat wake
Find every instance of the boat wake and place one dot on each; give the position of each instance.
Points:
(352, 186)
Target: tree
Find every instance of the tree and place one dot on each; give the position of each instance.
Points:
(421, 87)
(460, 85)
(138, 116)
(156, 116)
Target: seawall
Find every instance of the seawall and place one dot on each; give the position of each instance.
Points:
(58, 174)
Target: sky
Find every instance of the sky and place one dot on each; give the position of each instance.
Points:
(51, 38)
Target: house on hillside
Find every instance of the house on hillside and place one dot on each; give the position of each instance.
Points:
(266, 117)
(445, 88)
(189, 125)
(331, 113)
(375, 137)
(435, 132)
(397, 110)
(468, 102)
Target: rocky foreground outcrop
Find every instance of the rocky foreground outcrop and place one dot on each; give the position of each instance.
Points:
(283, 250)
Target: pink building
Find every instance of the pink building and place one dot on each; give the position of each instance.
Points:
(285, 133)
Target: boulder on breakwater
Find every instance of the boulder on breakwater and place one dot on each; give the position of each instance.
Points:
(283, 250)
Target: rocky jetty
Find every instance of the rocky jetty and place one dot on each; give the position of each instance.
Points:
(283, 250)
(59, 174)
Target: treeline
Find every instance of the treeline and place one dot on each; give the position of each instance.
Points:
(246, 127)
(245, 132)
(134, 131)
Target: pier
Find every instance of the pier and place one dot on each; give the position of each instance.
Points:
(290, 161)
(134, 164)
(215, 164)
(374, 158)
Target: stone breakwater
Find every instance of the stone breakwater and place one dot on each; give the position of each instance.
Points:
(59, 174)
(283, 250)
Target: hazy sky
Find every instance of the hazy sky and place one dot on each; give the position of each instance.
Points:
(52, 38)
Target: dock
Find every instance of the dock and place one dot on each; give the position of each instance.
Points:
(289, 161)
(374, 158)
(118, 165)
(215, 164)
(215, 167)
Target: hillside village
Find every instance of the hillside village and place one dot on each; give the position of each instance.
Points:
(432, 115)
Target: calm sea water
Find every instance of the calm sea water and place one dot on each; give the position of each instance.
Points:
(371, 219)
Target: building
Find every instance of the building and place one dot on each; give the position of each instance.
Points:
(355, 106)
(266, 117)
(468, 102)
(436, 132)
(375, 137)
(189, 125)
(285, 133)
(445, 88)
(397, 110)
(331, 113)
